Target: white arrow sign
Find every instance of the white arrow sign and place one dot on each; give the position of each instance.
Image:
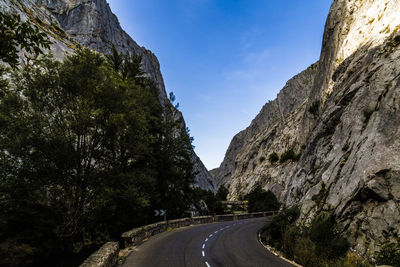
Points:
(159, 212)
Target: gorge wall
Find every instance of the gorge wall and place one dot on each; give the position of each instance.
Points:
(342, 115)
(90, 23)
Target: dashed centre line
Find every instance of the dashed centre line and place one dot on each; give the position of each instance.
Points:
(211, 235)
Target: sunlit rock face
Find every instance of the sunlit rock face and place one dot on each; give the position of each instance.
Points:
(90, 23)
(343, 116)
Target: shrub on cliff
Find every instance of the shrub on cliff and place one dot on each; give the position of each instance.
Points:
(389, 253)
(289, 155)
(273, 231)
(273, 157)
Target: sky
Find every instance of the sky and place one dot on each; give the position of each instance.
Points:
(224, 59)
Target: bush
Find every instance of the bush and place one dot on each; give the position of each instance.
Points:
(222, 193)
(322, 243)
(289, 240)
(304, 252)
(273, 232)
(352, 260)
(261, 159)
(329, 237)
(289, 155)
(314, 108)
(389, 254)
(273, 157)
(15, 253)
(261, 200)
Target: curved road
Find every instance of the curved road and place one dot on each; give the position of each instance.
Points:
(224, 244)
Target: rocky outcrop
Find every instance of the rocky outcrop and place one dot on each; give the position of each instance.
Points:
(250, 146)
(90, 23)
(345, 126)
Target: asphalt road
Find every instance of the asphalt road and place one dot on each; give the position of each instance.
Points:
(227, 244)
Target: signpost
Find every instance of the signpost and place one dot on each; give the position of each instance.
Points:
(161, 213)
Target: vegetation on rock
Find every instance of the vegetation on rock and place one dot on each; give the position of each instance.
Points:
(322, 242)
(273, 157)
(289, 155)
(314, 108)
(389, 253)
(16, 35)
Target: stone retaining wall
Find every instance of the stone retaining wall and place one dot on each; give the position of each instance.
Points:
(179, 223)
(202, 220)
(106, 256)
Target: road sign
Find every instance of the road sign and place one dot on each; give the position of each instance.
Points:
(159, 212)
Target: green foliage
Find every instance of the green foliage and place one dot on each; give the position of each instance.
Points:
(222, 193)
(13, 253)
(329, 237)
(86, 153)
(16, 35)
(351, 260)
(174, 164)
(389, 253)
(314, 108)
(273, 232)
(273, 157)
(213, 201)
(261, 200)
(289, 155)
(305, 252)
(261, 159)
(322, 243)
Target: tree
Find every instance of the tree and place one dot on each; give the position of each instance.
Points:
(261, 200)
(129, 65)
(16, 35)
(174, 163)
(75, 143)
(222, 193)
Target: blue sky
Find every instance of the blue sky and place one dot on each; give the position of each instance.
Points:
(224, 59)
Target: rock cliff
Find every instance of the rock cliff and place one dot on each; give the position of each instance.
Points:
(341, 117)
(90, 23)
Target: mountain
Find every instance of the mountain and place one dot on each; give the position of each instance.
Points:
(339, 124)
(90, 23)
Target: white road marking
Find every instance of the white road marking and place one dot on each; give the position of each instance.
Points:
(202, 253)
(206, 240)
(204, 245)
(215, 232)
(210, 235)
(208, 265)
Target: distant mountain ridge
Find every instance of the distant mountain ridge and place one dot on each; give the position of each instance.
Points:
(92, 24)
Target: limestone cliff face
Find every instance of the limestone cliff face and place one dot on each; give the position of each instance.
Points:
(349, 142)
(90, 23)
